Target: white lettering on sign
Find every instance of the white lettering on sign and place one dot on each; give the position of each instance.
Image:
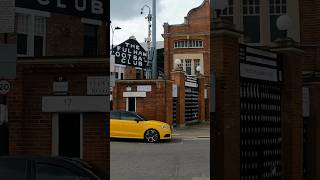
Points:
(262, 52)
(4, 87)
(191, 84)
(97, 7)
(98, 85)
(145, 88)
(60, 87)
(257, 72)
(44, 2)
(134, 94)
(130, 53)
(80, 5)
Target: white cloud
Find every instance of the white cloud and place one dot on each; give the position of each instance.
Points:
(171, 11)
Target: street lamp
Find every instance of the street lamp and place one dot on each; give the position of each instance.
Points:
(113, 29)
(284, 23)
(148, 39)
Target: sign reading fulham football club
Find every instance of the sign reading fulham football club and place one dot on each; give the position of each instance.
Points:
(130, 53)
(92, 9)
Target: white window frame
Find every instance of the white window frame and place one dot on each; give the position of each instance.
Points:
(188, 64)
(32, 14)
(184, 44)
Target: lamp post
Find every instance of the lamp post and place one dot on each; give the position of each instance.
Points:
(112, 30)
(284, 23)
(148, 40)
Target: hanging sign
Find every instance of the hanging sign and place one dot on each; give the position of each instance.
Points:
(130, 53)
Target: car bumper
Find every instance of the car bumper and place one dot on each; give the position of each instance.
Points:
(166, 134)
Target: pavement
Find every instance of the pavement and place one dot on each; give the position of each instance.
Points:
(186, 157)
(193, 132)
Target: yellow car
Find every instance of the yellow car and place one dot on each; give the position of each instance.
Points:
(124, 124)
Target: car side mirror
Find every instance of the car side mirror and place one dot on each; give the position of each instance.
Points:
(137, 120)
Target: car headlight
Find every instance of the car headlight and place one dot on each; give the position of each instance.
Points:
(165, 127)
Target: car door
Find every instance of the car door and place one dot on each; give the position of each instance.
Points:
(115, 124)
(132, 126)
(14, 169)
(54, 171)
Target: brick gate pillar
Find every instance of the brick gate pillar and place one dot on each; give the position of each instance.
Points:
(291, 110)
(178, 78)
(201, 99)
(225, 126)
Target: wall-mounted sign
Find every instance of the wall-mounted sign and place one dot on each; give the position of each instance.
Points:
(7, 16)
(75, 103)
(60, 88)
(134, 94)
(306, 102)
(174, 90)
(98, 85)
(258, 72)
(130, 53)
(191, 82)
(206, 93)
(93, 9)
(145, 88)
(8, 59)
(4, 87)
(128, 88)
(3, 114)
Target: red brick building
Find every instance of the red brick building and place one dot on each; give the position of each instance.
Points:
(190, 42)
(58, 102)
(257, 22)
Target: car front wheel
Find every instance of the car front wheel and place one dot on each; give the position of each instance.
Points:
(152, 136)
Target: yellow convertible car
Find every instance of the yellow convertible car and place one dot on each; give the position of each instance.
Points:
(124, 124)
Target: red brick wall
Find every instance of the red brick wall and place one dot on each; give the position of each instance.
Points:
(158, 103)
(30, 128)
(225, 129)
(310, 30)
(196, 26)
(65, 36)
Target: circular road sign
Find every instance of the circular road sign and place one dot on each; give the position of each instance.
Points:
(4, 87)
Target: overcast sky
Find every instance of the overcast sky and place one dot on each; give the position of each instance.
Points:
(126, 14)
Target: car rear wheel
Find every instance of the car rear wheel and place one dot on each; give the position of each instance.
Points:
(151, 136)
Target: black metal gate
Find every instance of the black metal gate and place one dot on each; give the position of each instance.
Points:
(260, 121)
(174, 108)
(191, 100)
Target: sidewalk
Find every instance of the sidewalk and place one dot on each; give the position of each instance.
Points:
(193, 131)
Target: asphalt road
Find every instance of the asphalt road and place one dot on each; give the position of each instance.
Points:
(180, 159)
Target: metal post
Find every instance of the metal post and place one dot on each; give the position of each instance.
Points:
(154, 40)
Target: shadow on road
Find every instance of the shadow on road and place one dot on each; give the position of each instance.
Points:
(174, 140)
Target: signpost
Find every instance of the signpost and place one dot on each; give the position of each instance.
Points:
(130, 53)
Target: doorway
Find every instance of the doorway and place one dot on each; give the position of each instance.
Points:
(4, 129)
(69, 135)
(131, 104)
